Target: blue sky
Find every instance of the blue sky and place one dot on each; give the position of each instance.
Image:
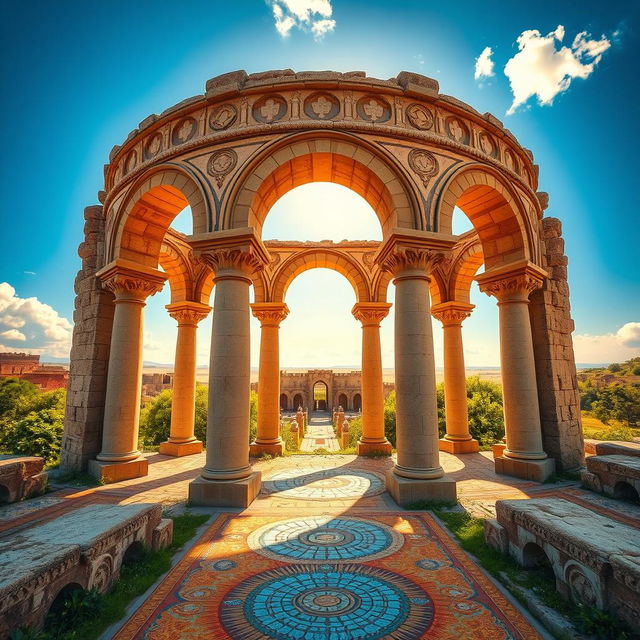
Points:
(76, 77)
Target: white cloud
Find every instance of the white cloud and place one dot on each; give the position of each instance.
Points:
(48, 332)
(312, 16)
(484, 64)
(609, 347)
(13, 334)
(539, 69)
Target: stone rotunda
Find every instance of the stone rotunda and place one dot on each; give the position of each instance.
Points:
(414, 154)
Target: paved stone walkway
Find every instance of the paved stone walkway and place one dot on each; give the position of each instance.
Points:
(319, 433)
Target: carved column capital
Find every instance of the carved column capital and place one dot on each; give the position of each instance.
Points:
(270, 314)
(513, 283)
(131, 281)
(371, 313)
(188, 313)
(452, 313)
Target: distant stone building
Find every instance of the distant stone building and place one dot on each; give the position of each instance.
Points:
(154, 383)
(28, 367)
(332, 389)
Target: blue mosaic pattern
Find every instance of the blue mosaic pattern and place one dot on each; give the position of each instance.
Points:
(318, 539)
(301, 602)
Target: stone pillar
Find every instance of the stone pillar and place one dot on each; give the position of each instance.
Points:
(268, 440)
(457, 439)
(131, 284)
(524, 456)
(227, 478)
(373, 440)
(182, 440)
(417, 475)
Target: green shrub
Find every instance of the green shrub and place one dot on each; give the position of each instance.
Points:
(390, 418)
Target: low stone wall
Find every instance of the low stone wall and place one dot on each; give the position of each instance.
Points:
(613, 475)
(596, 560)
(21, 477)
(82, 549)
(607, 448)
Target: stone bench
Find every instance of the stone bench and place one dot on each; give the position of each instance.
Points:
(611, 448)
(21, 477)
(83, 549)
(616, 476)
(596, 560)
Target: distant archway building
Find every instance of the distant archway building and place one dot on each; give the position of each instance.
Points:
(415, 155)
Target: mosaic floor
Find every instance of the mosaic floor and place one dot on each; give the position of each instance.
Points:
(324, 577)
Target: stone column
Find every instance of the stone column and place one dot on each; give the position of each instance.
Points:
(227, 478)
(524, 456)
(373, 440)
(131, 284)
(268, 440)
(182, 440)
(457, 439)
(417, 475)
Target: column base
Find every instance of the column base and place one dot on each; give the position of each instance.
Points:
(374, 448)
(536, 470)
(225, 493)
(458, 446)
(407, 491)
(109, 472)
(179, 449)
(257, 449)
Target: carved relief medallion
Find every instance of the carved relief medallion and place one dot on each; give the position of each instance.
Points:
(419, 116)
(424, 164)
(510, 161)
(221, 163)
(487, 145)
(153, 146)
(130, 161)
(183, 131)
(373, 109)
(222, 117)
(457, 130)
(269, 109)
(321, 106)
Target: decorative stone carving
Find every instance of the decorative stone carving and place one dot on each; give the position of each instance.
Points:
(245, 260)
(510, 161)
(183, 131)
(450, 313)
(369, 258)
(410, 258)
(188, 313)
(373, 109)
(370, 314)
(221, 163)
(129, 285)
(153, 146)
(103, 574)
(223, 117)
(270, 314)
(321, 106)
(517, 285)
(582, 590)
(420, 117)
(130, 161)
(269, 109)
(487, 144)
(424, 164)
(457, 130)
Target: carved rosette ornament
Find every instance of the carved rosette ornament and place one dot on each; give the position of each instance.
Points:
(102, 575)
(371, 313)
(419, 116)
(183, 131)
(373, 109)
(270, 314)
(452, 313)
(222, 117)
(221, 164)
(424, 164)
(188, 313)
(321, 106)
(269, 109)
(128, 283)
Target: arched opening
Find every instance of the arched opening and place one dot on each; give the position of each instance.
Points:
(625, 491)
(5, 496)
(284, 402)
(320, 396)
(298, 402)
(133, 554)
(535, 558)
(357, 402)
(56, 616)
(343, 401)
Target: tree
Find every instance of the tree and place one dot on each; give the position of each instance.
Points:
(614, 367)
(15, 395)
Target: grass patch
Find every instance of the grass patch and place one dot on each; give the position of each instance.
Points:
(431, 505)
(470, 532)
(76, 479)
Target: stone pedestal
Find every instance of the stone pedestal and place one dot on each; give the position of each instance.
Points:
(408, 491)
(108, 472)
(225, 493)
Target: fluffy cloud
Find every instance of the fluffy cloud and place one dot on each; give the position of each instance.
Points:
(540, 69)
(307, 15)
(42, 327)
(484, 64)
(610, 347)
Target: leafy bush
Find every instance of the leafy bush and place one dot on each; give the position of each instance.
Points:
(15, 395)
(390, 418)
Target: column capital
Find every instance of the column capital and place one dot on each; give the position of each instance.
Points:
(451, 312)
(188, 312)
(408, 250)
(231, 253)
(513, 282)
(270, 314)
(370, 313)
(131, 281)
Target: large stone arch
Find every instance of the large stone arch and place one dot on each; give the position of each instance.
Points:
(464, 267)
(322, 157)
(138, 223)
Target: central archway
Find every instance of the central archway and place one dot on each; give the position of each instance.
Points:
(320, 396)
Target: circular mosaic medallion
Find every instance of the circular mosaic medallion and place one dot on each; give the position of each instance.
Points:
(352, 601)
(323, 484)
(318, 539)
